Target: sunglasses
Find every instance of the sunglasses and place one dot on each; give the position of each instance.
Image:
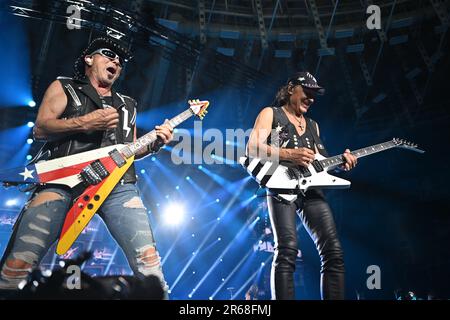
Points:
(110, 55)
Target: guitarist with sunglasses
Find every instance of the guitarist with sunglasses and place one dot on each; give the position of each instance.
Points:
(76, 115)
(295, 139)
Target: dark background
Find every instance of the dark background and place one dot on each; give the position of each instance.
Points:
(396, 214)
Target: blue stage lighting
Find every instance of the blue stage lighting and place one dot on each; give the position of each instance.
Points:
(153, 159)
(190, 296)
(174, 214)
(193, 235)
(188, 178)
(200, 167)
(217, 200)
(167, 196)
(15, 88)
(193, 272)
(142, 171)
(218, 239)
(30, 124)
(177, 187)
(29, 157)
(210, 298)
(30, 141)
(32, 104)
(11, 202)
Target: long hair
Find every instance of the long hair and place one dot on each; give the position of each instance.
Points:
(282, 96)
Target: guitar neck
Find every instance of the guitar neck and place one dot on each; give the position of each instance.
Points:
(150, 137)
(339, 159)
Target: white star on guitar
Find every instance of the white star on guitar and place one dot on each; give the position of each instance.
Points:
(27, 174)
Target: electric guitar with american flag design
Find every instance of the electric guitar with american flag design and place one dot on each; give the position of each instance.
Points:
(97, 172)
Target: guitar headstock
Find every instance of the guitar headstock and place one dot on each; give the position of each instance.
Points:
(199, 107)
(405, 144)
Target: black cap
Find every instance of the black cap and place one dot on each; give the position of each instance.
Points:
(99, 43)
(306, 80)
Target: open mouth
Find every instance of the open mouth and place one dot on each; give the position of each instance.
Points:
(111, 70)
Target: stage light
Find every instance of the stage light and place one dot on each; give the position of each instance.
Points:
(262, 264)
(219, 239)
(193, 235)
(30, 124)
(217, 200)
(177, 187)
(223, 279)
(167, 196)
(210, 298)
(218, 218)
(193, 272)
(188, 178)
(29, 157)
(192, 218)
(190, 296)
(153, 159)
(22, 284)
(173, 214)
(142, 171)
(157, 204)
(32, 104)
(30, 141)
(11, 202)
(200, 167)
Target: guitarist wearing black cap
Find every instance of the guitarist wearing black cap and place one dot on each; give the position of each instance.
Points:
(297, 141)
(76, 115)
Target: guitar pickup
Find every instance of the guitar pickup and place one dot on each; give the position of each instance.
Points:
(94, 173)
(117, 158)
(305, 172)
(317, 166)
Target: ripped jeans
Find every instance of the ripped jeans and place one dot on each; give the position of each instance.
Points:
(39, 226)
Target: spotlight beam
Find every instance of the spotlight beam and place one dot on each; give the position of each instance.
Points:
(245, 228)
(241, 262)
(224, 211)
(250, 279)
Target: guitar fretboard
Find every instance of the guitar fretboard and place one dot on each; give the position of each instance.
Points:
(151, 136)
(338, 160)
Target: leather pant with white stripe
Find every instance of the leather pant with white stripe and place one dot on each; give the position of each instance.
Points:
(318, 220)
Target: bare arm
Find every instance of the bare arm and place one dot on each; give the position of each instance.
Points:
(49, 127)
(257, 142)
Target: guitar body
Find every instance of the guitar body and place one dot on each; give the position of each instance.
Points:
(287, 182)
(67, 171)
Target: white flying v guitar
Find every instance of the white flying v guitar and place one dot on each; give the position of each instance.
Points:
(289, 181)
(96, 172)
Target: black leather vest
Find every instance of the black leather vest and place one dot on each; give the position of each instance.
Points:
(82, 98)
(288, 137)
